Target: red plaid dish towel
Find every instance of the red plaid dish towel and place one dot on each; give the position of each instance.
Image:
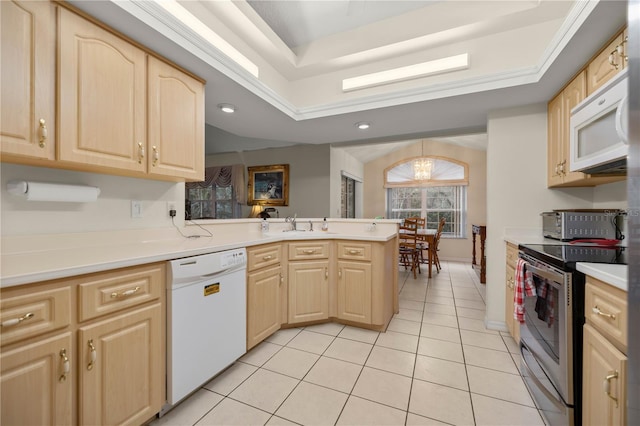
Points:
(524, 285)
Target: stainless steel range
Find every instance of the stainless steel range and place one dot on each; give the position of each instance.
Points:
(551, 336)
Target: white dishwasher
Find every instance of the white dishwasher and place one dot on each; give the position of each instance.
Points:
(206, 319)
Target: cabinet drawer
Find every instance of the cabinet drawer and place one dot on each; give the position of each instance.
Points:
(354, 250)
(606, 310)
(107, 292)
(512, 255)
(25, 315)
(261, 256)
(309, 250)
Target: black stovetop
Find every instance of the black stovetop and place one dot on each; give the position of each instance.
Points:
(565, 256)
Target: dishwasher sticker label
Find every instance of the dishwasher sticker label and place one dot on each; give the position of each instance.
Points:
(211, 289)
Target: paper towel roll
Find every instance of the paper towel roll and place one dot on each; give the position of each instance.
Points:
(40, 191)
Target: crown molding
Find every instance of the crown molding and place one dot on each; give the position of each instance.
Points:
(159, 19)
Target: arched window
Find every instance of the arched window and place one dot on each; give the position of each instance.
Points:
(430, 187)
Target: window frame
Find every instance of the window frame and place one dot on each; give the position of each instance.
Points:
(430, 182)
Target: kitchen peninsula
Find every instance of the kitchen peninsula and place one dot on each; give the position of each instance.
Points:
(81, 298)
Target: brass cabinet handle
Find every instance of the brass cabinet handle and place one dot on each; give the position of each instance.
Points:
(43, 133)
(125, 293)
(339, 273)
(354, 251)
(326, 272)
(281, 279)
(156, 155)
(597, 311)
(92, 355)
(268, 257)
(606, 385)
(309, 251)
(65, 365)
(16, 321)
(140, 152)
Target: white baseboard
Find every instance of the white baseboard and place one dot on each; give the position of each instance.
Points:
(496, 325)
(456, 259)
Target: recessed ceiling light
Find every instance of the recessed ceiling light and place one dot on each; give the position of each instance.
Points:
(228, 108)
(363, 125)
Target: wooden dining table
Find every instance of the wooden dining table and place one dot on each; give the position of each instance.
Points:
(428, 236)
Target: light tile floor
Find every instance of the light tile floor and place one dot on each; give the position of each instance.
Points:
(435, 364)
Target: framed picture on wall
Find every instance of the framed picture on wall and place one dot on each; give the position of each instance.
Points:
(269, 185)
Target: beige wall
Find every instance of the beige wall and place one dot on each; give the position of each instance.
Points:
(309, 185)
(375, 194)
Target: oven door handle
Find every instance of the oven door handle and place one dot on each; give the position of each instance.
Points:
(553, 276)
(553, 398)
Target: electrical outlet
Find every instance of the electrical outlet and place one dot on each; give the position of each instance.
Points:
(171, 208)
(136, 209)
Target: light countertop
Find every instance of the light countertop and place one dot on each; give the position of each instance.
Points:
(616, 275)
(30, 259)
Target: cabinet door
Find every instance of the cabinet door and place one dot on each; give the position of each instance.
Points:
(101, 97)
(601, 70)
(27, 49)
(572, 95)
(604, 369)
(176, 122)
(308, 291)
(263, 304)
(354, 291)
(554, 141)
(35, 389)
(512, 323)
(125, 382)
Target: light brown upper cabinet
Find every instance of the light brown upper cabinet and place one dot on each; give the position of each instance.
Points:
(101, 99)
(609, 62)
(175, 122)
(120, 110)
(27, 98)
(592, 76)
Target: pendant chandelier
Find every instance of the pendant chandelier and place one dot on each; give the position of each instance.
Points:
(422, 167)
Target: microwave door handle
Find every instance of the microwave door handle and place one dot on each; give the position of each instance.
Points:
(555, 277)
(621, 114)
(553, 398)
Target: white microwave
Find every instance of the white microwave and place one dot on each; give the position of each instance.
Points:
(598, 139)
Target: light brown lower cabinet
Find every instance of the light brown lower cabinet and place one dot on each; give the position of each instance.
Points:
(510, 280)
(37, 382)
(604, 369)
(308, 286)
(121, 368)
(354, 291)
(56, 368)
(604, 381)
(263, 304)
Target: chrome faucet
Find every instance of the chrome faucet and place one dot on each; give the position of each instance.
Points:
(292, 221)
(310, 226)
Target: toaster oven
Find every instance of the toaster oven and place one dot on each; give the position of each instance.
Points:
(567, 225)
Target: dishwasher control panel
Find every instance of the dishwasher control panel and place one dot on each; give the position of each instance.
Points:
(233, 258)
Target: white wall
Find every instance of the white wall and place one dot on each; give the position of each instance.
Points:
(343, 161)
(517, 190)
(112, 211)
(309, 185)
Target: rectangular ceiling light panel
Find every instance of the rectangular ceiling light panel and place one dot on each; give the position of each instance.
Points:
(174, 8)
(451, 63)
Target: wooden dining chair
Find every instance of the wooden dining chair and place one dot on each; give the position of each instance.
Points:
(436, 241)
(421, 239)
(408, 247)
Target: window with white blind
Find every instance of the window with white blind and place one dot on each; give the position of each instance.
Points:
(442, 194)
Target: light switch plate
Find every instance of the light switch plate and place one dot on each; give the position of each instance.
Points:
(136, 209)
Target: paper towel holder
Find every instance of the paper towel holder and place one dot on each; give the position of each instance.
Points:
(41, 191)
